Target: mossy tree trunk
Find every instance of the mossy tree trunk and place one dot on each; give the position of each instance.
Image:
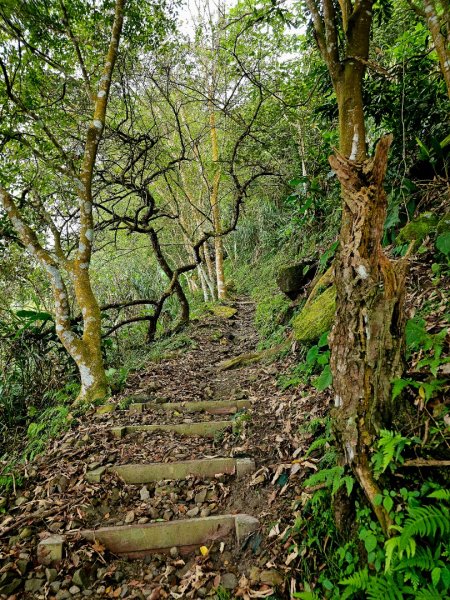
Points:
(85, 349)
(367, 338)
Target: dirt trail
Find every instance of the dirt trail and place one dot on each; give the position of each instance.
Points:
(56, 498)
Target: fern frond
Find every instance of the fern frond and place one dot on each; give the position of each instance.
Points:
(423, 560)
(383, 587)
(425, 521)
(318, 443)
(442, 494)
(357, 581)
(429, 594)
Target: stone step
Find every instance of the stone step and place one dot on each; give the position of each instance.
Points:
(135, 541)
(206, 467)
(202, 428)
(213, 407)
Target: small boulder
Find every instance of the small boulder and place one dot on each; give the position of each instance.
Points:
(292, 280)
(224, 312)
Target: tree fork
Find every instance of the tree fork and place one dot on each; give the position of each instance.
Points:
(367, 340)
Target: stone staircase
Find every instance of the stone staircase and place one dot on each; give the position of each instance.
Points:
(183, 535)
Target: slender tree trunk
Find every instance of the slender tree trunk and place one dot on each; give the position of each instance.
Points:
(177, 287)
(210, 274)
(215, 208)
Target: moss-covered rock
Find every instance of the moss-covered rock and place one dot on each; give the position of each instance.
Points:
(417, 230)
(224, 312)
(316, 318)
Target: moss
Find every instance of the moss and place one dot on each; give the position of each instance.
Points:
(418, 229)
(444, 224)
(224, 312)
(316, 318)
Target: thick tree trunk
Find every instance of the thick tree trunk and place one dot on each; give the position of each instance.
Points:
(367, 338)
(89, 360)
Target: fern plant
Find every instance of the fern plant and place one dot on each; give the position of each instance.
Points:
(416, 563)
(388, 451)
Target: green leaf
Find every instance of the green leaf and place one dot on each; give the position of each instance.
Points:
(388, 503)
(370, 542)
(323, 339)
(443, 243)
(324, 380)
(435, 575)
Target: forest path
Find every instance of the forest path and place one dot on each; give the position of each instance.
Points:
(74, 489)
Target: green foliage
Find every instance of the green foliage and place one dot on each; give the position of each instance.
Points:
(48, 424)
(117, 378)
(317, 361)
(332, 478)
(389, 448)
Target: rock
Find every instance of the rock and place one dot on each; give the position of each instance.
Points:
(167, 515)
(193, 512)
(23, 564)
(20, 500)
(105, 409)
(201, 592)
(316, 318)
(119, 576)
(271, 577)
(292, 280)
(143, 520)
(200, 497)
(74, 589)
(229, 581)
(51, 575)
(50, 550)
(55, 586)
(144, 493)
(63, 595)
(25, 533)
(129, 518)
(81, 578)
(254, 574)
(11, 587)
(205, 512)
(33, 585)
(174, 552)
(224, 312)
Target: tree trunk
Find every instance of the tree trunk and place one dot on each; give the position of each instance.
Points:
(215, 208)
(209, 275)
(367, 340)
(176, 287)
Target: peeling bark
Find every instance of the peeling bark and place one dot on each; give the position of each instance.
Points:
(367, 340)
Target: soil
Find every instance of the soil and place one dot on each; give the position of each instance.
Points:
(56, 497)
